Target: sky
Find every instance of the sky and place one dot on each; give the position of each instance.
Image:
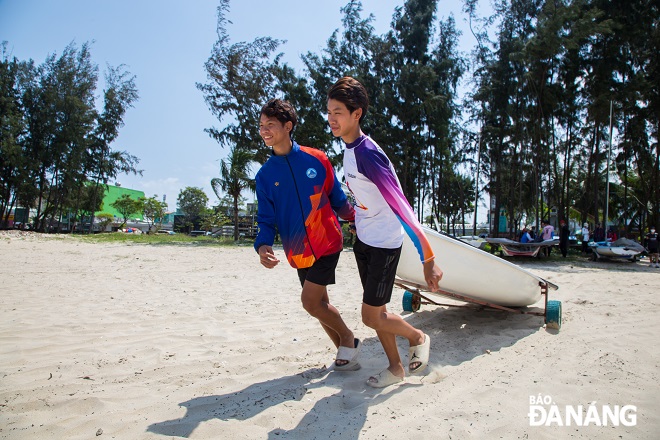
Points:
(165, 44)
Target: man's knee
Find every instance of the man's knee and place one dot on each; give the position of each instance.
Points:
(312, 298)
(311, 305)
(371, 316)
(368, 321)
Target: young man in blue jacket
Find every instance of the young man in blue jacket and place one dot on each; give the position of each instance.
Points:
(300, 197)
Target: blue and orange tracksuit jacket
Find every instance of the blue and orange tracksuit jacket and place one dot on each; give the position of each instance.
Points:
(298, 195)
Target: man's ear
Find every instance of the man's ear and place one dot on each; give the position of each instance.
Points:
(288, 125)
(357, 113)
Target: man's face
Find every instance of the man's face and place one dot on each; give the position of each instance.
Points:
(342, 122)
(273, 132)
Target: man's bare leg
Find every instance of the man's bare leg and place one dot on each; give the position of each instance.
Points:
(388, 326)
(316, 302)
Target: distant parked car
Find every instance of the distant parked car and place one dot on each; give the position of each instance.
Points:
(196, 233)
(165, 232)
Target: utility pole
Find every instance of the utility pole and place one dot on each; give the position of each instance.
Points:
(607, 189)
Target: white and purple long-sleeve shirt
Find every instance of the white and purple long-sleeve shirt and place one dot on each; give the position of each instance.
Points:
(382, 212)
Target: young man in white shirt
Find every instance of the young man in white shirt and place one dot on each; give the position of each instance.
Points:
(382, 215)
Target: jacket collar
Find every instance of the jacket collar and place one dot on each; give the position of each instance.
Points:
(295, 149)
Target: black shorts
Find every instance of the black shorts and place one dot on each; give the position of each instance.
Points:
(322, 272)
(377, 267)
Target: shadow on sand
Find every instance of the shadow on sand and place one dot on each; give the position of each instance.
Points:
(349, 407)
(458, 335)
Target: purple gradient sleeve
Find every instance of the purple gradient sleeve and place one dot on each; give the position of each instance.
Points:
(375, 166)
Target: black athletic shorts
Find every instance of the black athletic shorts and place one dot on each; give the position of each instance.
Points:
(377, 268)
(322, 272)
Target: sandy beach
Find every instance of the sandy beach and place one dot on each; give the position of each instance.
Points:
(157, 341)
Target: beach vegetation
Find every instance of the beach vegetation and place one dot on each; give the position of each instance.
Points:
(104, 220)
(235, 177)
(153, 210)
(56, 152)
(558, 116)
(126, 206)
(161, 239)
(533, 130)
(192, 203)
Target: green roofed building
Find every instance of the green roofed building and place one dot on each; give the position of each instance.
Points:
(112, 193)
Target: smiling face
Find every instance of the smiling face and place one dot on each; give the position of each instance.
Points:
(343, 123)
(275, 134)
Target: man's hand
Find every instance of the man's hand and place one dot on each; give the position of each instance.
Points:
(432, 275)
(267, 257)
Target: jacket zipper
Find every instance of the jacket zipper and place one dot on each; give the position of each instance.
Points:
(302, 212)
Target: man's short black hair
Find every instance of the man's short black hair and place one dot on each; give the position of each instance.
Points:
(351, 93)
(281, 110)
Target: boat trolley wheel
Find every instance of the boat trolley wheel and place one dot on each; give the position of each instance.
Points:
(411, 301)
(553, 314)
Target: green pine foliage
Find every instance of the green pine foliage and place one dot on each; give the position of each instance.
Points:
(532, 129)
(53, 141)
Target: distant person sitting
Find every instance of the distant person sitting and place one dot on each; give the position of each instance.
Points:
(611, 235)
(532, 232)
(547, 233)
(525, 237)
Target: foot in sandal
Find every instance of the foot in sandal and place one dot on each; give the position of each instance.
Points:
(384, 379)
(346, 359)
(418, 355)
